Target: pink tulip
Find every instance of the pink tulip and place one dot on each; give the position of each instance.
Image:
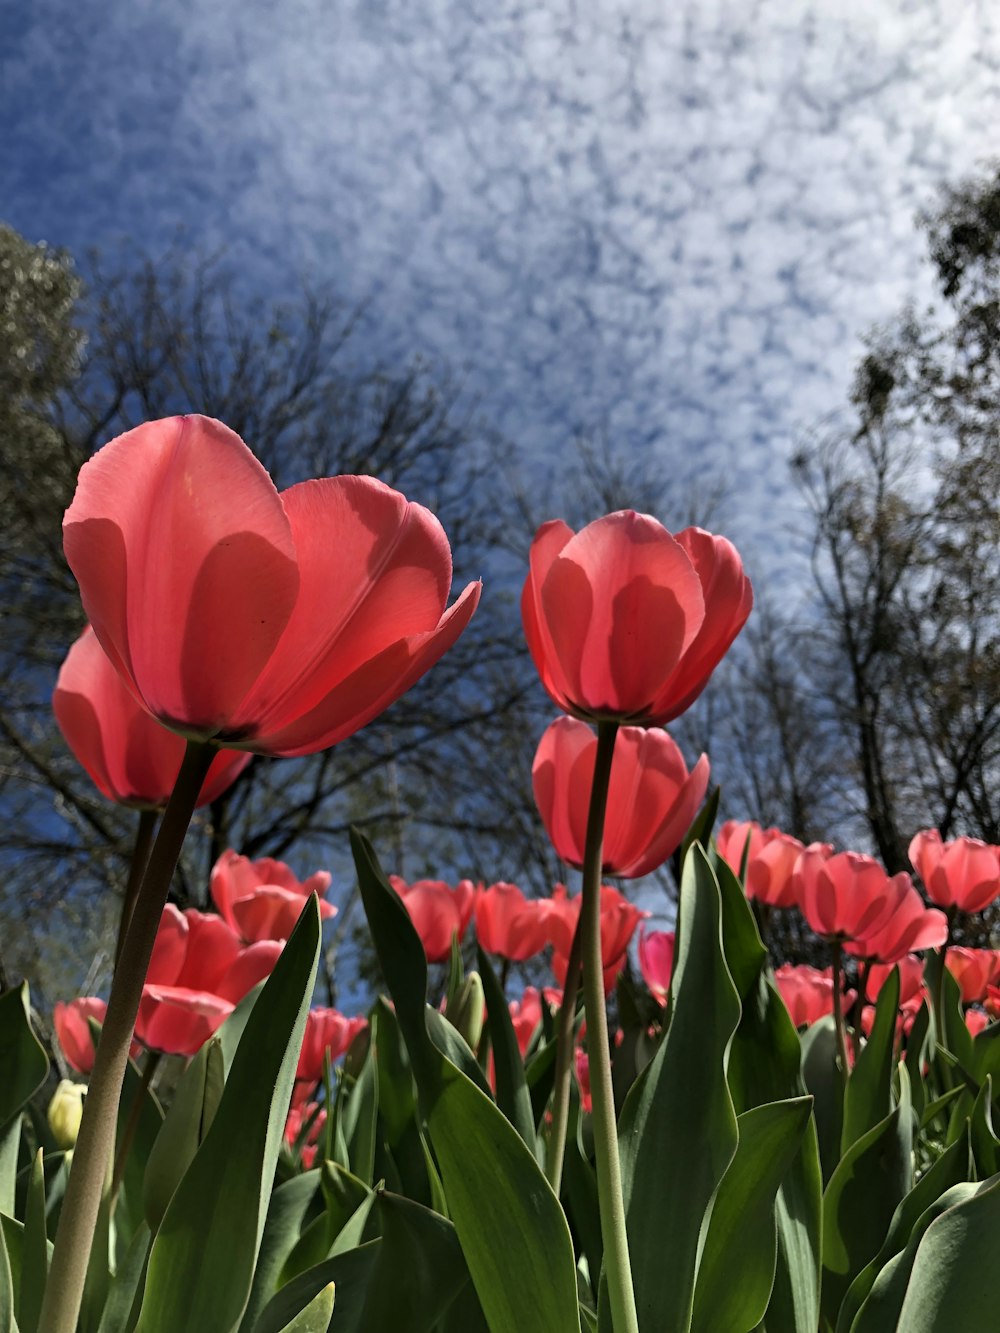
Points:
(72, 1025)
(843, 897)
(975, 1021)
(974, 970)
(262, 900)
(313, 1115)
(279, 624)
(963, 874)
(508, 924)
(525, 1015)
(198, 973)
(807, 992)
(619, 919)
(911, 980)
(656, 961)
(992, 1001)
(906, 927)
(128, 755)
(625, 621)
(771, 859)
(583, 1079)
(437, 911)
(652, 798)
(326, 1030)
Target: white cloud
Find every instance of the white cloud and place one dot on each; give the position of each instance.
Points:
(655, 218)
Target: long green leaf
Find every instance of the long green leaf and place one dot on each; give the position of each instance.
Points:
(350, 1273)
(425, 1247)
(511, 1228)
(868, 1096)
(864, 1192)
(823, 1079)
(24, 1066)
(315, 1318)
(7, 1321)
(737, 1266)
(215, 1219)
(183, 1130)
(289, 1207)
(513, 1097)
(35, 1258)
(677, 1132)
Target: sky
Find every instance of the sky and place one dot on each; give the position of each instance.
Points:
(663, 224)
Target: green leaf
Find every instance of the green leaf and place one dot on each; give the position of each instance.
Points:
(289, 1207)
(425, 1247)
(10, 1142)
(360, 1114)
(344, 1196)
(511, 1228)
(513, 1097)
(737, 1264)
(124, 1294)
(823, 1079)
(34, 1254)
(184, 1129)
(24, 1066)
(917, 1043)
(985, 1144)
(315, 1318)
(701, 827)
(882, 1311)
(7, 1322)
(453, 1046)
(350, 1273)
(743, 948)
(868, 1096)
(861, 1198)
(950, 1169)
(215, 1219)
(677, 1132)
(986, 1054)
(953, 1282)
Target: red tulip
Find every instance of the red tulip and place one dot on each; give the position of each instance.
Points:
(771, 859)
(198, 972)
(437, 911)
(964, 873)
(652, 798)
(908, 925)
(975, 1021)
(583, 1079)
(911, 980)
(525, 1015)
(262, 900)
(72, 1025)
(619, 919)
(510, 925)
(280, 624)
(625, 621)
(992, 1001)
(842, 897)
(127, 754)
(326, 1030)
(656, 961)
(312, 1116)
(974, 970)
(807, 992)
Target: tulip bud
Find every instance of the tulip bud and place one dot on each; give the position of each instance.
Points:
(468, 1009)
(66, 1111)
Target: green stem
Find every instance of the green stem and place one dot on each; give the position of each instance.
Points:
(144, 831)
(624, 1318)
(859, 1005)
(838, 1007)
(565, 1032)
(95, 1143)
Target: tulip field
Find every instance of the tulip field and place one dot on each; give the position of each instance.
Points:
(728, 1143)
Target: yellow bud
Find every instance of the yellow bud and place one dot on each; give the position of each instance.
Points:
(66, 1112)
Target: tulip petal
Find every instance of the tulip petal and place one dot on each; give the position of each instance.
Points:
(372, 687)
(622, 602)
(549, 540)
(186, 566)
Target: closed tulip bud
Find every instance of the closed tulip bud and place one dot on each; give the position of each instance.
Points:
(626, 622)
(467, 1010)
(66, 1111)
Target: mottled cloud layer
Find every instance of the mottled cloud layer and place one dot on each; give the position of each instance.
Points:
(669, 222)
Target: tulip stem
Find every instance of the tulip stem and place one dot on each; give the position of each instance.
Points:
(838, 1007)
(144, 831)
(617, 1268)
(565, 1032)
(95, 1143)
(153, 1059)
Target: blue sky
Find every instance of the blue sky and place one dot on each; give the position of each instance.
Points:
(666, 222)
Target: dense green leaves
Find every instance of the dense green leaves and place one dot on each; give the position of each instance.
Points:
(509, 1224)
(677, 1132)
(215, 1219)
(24, 1065)
(868, 1096)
